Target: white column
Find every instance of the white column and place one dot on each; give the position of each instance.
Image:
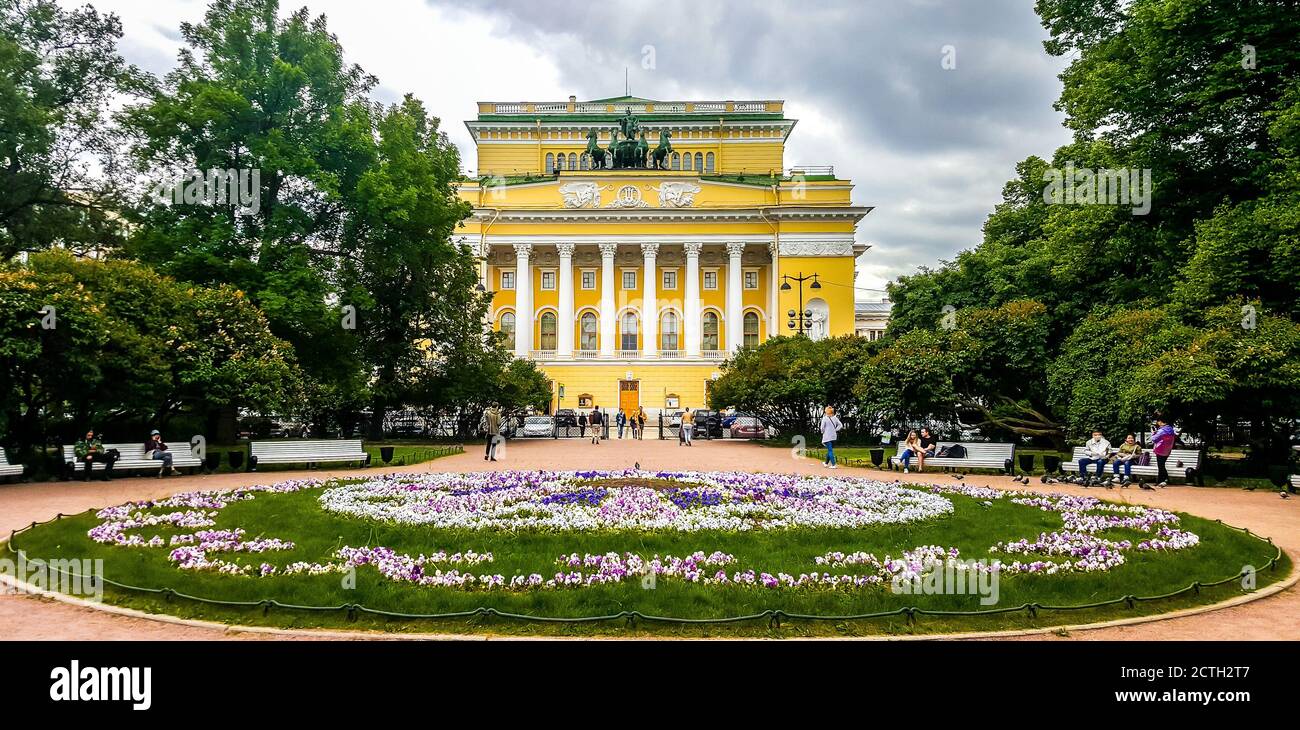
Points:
(650, 302)
(608, 326)
(774, 291)
(564, 336)
(735, 328)
(691, 327)
(523, 300)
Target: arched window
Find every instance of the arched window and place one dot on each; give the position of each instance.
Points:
(559, 162)
(708, 162)
(587, 331)
(508, 328)
(699, 161)
(550, 162)
(751, 329)
(677, 160)
(584, 162)
(710, 342)
(573, 160)
(629, 331)
(547, 341)
(686, 161)
(668, 332)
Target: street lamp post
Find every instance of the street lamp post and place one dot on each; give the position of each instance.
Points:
(801, 320)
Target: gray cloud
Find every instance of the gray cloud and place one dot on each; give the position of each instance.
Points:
(929, 147)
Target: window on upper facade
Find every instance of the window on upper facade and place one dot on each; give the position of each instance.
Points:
(751, 279)
(587, 331)
(686, 161)
(550, 162)
(670, 279)
(548, 329)
(573, 160)
(751, 330)
(548, 280)
(668, 332)
(507, 280)
(710, 280)
(508, 328)
(708, 162)
(628, 331)
(584, 162)
(629, 279)
(710, 341)
(677, 160)
(699, 161)
(559, 162)
(588, 280)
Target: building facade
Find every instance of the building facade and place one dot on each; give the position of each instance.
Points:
(631, 245)
(872, 319)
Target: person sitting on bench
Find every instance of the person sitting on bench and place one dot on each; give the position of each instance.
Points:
(1096, 451)
(90, 450)
(155, 449)
(1126, 456)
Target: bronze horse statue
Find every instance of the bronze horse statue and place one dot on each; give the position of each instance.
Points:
(642, 151)
(661, 152)
(594, 152)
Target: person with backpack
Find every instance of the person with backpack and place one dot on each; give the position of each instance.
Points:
(830, 428)
(597, 421)
(582, 424)
(1162, 444)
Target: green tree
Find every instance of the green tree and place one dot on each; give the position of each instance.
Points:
(59, 73)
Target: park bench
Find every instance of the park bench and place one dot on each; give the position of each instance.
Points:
(1182, 462)
(309, 452)
(9, 470)
(133, 457)
(995, 456)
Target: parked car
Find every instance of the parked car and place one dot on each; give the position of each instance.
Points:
(748, 427)
(731, 418)
(566, 417)
(538, 427)
(708, 424)
(675, 420)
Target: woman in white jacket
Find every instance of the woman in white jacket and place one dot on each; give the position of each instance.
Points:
(830, 428)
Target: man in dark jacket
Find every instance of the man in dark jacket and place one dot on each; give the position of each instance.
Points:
(155, 449)
(90, 450)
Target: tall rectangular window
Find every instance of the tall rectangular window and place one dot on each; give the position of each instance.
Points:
(629, 279)
(670, 279)
(751, 279)
(507, 280)
(548, 280)
(588, 280)
(710, 280)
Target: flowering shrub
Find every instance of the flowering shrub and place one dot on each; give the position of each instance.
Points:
(566, 501)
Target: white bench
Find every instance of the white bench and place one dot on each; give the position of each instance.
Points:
(1185, 463)
(9, 470)
(307, 452)
(133, 457)
(978, 456)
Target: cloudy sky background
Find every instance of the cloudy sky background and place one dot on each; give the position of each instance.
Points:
(928, 147)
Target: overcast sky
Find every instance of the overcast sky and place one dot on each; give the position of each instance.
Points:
(928, 147)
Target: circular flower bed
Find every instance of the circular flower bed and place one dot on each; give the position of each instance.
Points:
(578, 502)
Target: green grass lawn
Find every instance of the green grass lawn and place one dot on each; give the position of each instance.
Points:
(972, 528)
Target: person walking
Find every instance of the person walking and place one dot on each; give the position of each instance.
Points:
(621, 421)
(582, 424)
(640, 420)
(688, 426)
(90, 450)
(597, 422)
(155, 449)
(492, 430)
(830, 428)
(1162, 444)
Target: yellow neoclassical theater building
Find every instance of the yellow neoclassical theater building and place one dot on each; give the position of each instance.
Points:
(631, 245)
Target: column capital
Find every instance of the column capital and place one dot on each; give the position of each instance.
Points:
(523, 250)
(566, 249)
(693, 248)
(607, 250)
(735, 248)
(650, 250)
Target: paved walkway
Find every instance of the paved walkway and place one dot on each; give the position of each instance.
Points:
(28, 617)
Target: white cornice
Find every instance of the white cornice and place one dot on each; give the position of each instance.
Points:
(666, 215)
